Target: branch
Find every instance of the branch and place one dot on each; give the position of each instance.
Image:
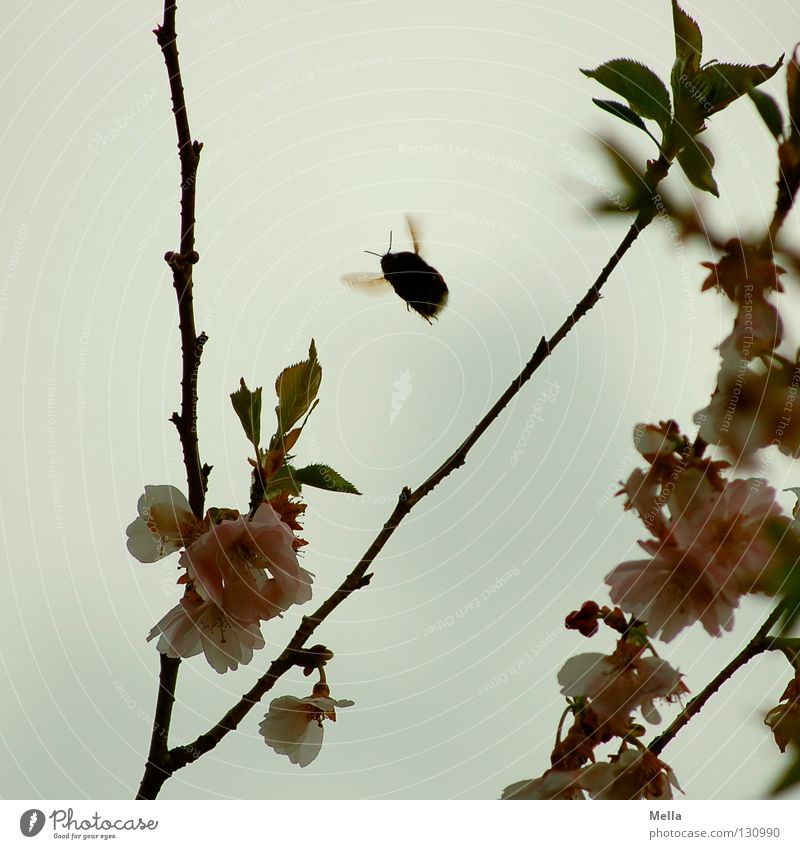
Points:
(181, 264)
(157, 769)
(759, 644)
(358, 577)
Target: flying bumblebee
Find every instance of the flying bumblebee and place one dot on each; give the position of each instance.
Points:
(420, 285)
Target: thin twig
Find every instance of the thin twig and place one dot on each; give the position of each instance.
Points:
(183, 755)
(181, 264)
(157, 769)
(760, 643)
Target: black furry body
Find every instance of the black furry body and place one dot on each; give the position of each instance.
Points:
(420, 285)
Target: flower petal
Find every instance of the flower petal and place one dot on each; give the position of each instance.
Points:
(164, 516)
(143, 544)
(291, 729)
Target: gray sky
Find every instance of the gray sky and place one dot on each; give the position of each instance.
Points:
(321, 127)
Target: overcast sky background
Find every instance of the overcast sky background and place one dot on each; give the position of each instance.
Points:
(323, 122)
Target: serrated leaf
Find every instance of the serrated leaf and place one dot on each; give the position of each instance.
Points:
(297, 387)
(688, 39)
(284, 480)
(769, 111)
(247, 405)
(726, 83)
(697, 162)
(620, 110)
(324, 477)
(640, 86)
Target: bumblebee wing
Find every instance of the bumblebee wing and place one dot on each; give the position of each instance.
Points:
(414, 229)
(367, 282)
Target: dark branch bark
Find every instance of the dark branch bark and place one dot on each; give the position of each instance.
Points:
(158, 768)
(182, 263)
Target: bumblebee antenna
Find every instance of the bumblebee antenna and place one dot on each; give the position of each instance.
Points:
(389, 251)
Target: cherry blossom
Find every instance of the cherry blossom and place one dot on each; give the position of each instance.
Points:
(248, 568)
(733, 529)
(633, 774)
(196, 625)
(671, 591)
(554, 784)
(757, 330)
(642, 494)
(744, 272)
(652, 441)
(784, 718)
(753, 408)
(619, 683)
(237, 574)
(165, 524)
(716, 547)
(293, 726)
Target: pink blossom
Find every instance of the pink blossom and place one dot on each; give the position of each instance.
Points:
(632, 774)
(731, 530)
(716, 547)
(165, 524)
(660, 440)
(753, 408)
(670, 591)
(248, 569)
(619, 683)
(293, 726)
(642, 494)
(554, 784)
(757, 330)
(194, 626)
(238, 573)
(784, 718)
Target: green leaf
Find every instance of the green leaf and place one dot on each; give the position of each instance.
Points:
(726, 83)
(632, 193)
(769, 111)
(640, 86)
(247, 405)
(790, 777)
(324, 477)
(688, 40)
(296, 387)
(284, 480)
(620, 110)
(690, 93)
(697, 162)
